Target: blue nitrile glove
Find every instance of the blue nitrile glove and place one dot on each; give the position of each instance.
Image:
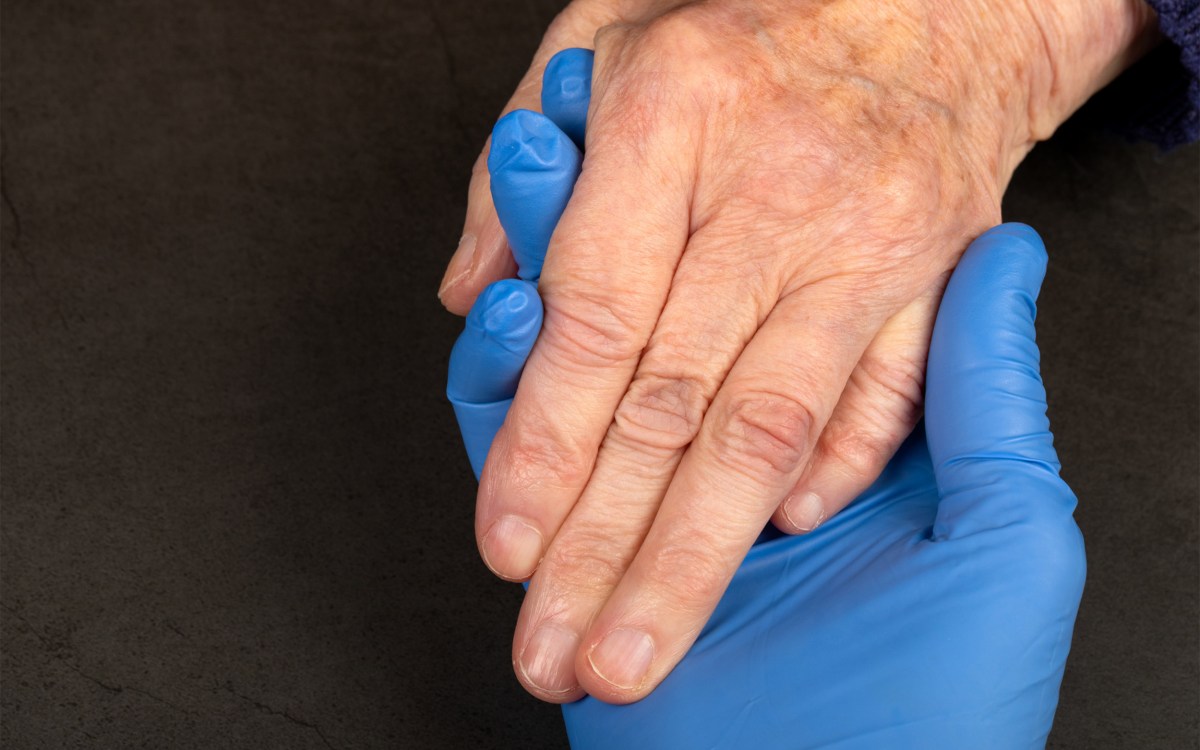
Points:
(567, 91)
(533, 167)
(533, 164)
(486, 361)
(935, 611)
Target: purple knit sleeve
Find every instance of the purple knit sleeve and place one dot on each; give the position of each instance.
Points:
(1158, 99)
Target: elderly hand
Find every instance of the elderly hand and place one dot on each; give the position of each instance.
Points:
(936, 611)
(739, 294)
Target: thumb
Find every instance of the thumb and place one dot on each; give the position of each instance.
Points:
(986, 424)
(486, 362)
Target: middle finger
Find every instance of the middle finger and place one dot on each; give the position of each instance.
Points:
(708, 318)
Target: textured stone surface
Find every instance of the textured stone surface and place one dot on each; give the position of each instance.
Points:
(236, 512)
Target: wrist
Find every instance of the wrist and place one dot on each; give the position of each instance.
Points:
(1040, 60)
(1087, 43)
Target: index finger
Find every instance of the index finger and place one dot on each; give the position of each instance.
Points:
(604, 283)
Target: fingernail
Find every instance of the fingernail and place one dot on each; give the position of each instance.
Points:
(512, 548)
(805, 512)
(548, 660)
(623, 657)
(460, 264)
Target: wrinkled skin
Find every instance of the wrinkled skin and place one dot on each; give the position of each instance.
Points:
(739, 294)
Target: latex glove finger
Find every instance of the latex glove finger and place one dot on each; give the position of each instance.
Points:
(567, 91)
(486, 362)
(482, 255)
(533, 166)
(530, 158)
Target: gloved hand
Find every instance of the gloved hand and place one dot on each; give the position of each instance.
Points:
(935, 611)
(534, 165)
(740, 296)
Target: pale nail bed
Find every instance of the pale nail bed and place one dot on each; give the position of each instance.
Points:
(548, 660)
(512, 548)
(623, 657)
(805, 512)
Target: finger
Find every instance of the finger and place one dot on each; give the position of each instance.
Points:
(533, 167)
(605, 281)
(703, 328)
(486, 362)
(751, 448)
(603, 286)
(483, 255)
(877, 410)
(989, 438)
(582, 566)
(567, 91)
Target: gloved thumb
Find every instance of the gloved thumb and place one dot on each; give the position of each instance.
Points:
(986, 425)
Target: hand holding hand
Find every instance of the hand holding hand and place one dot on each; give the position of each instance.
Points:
(739, 294)
(935, 611)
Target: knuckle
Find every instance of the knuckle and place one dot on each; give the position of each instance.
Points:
(764, 433)
(889, 403)
(683, 28)
(590, 329)
(661, 412)
(686, 573)
(663, 67)
(862, 452)
(609, 37)
(537, 456)
(586, 560)
(896, 385)
(905, 195)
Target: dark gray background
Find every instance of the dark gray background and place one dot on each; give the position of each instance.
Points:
(236, 512)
